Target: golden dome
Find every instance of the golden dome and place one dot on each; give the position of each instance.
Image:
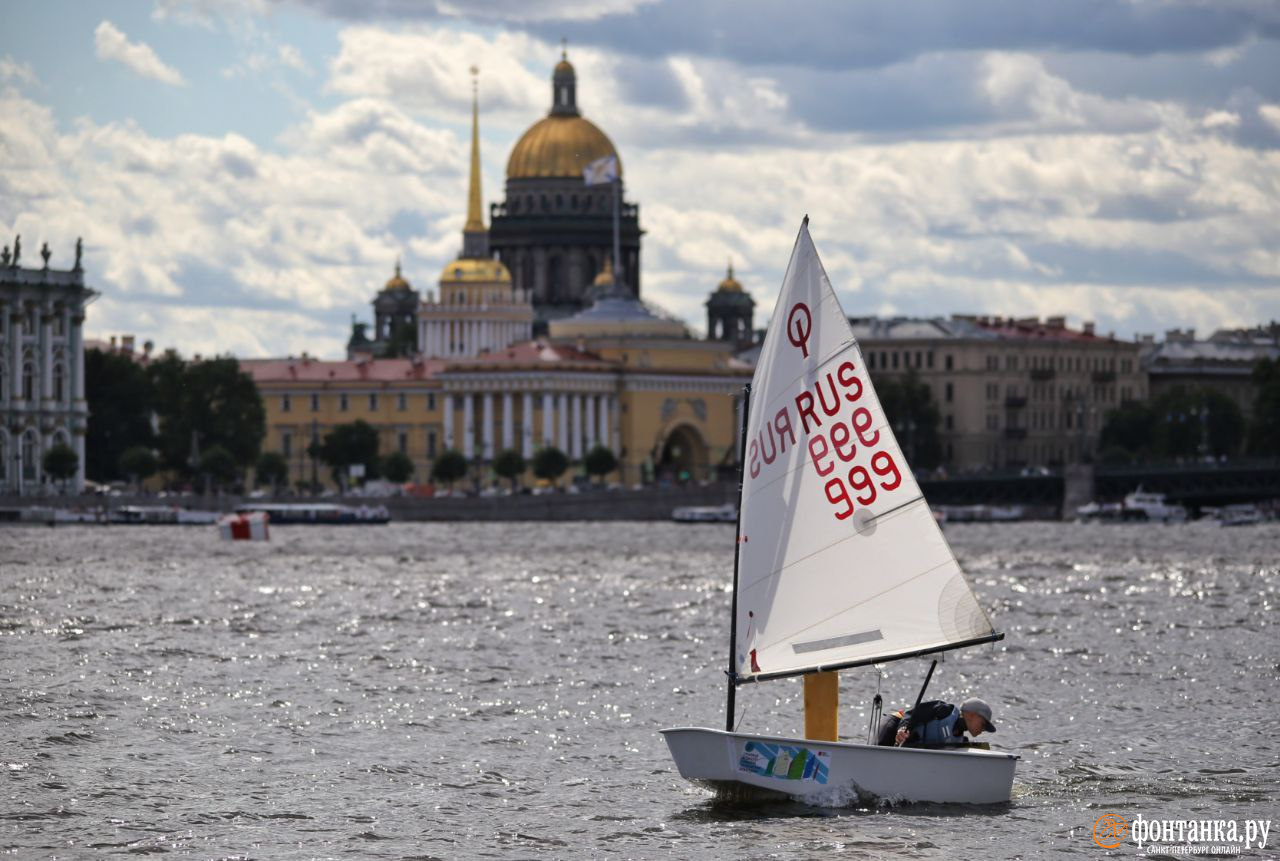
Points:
(564, 66)
(396, 281)
(559, 145)
(730, 284)
(475, 270)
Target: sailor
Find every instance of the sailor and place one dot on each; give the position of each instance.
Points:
(939, 724)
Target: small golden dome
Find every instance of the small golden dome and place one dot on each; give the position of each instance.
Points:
(605, 277)
(564, 66)
(396, 281)
(475, 270)
(730, 284)
(559, 145)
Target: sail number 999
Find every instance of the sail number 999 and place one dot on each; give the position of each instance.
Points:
(840, 444)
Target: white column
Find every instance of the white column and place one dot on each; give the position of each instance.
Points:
(487, 433)
(615, 414)
(508, 422)
(606, 407)
(16, 315)
(548, 421)
(577, 428)
(526, 426)
(77, 355)
(590, 420)
(468, 427)
(448, 421)
(562, 415)
(46, 360)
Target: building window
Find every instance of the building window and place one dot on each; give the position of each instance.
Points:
(431, 444)
(431, 402)
(342, 403)
(28, 381)
(315, 403)
(895, 360)
(285, 405)
(919, 359)
(286, 444)
(871, 361)
(951, 423)
(950, 363)
(373, 403)
(950, 392)
(403, 441)
(59, 383)
(402, 403)
(930, 359)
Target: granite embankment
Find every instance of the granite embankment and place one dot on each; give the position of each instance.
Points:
(648, 504)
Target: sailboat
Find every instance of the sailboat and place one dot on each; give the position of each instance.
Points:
(839, 563)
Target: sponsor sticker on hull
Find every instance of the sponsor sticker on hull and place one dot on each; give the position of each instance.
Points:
(784, 762)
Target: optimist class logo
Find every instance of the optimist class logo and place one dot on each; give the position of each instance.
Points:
(799, 327)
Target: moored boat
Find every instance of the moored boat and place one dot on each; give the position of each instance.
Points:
(1154, 507)
(1239, 515)
(727, 513)
(318, 513)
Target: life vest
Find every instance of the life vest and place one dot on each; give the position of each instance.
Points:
(916, 721)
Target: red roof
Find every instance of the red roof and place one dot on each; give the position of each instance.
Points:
(310, 370)
(541, 353)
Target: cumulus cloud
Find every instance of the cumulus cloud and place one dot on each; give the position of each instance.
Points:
(478, 10)
(12, 70)
(953, 181)
(111, 44)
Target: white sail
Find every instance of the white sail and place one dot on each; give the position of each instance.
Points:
(841, 561)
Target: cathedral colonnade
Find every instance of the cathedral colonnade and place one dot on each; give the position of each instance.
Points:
(483, 419)
(452, 335)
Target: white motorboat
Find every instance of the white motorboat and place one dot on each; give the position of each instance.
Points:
(839, 563)
(706, 514)
(1239, 515)
(1144, 505)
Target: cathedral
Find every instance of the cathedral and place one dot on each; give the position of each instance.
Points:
(554, 232)
(532, 340)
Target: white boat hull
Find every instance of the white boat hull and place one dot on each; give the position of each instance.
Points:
(836, 772)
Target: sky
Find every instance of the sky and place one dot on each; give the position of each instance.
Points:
(246, 173)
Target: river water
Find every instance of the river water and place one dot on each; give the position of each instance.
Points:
(496, 691)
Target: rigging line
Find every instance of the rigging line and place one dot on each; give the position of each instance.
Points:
(793, 634)
(876, 517)
(854, 534)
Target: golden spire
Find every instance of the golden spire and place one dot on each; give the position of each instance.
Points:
(475, 217)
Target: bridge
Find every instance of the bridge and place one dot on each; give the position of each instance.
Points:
(1194, 485)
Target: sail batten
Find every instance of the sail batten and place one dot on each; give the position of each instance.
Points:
(841, 562)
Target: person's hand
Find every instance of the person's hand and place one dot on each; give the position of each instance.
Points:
(901, 737)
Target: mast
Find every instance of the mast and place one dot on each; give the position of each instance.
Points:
(737, 553)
